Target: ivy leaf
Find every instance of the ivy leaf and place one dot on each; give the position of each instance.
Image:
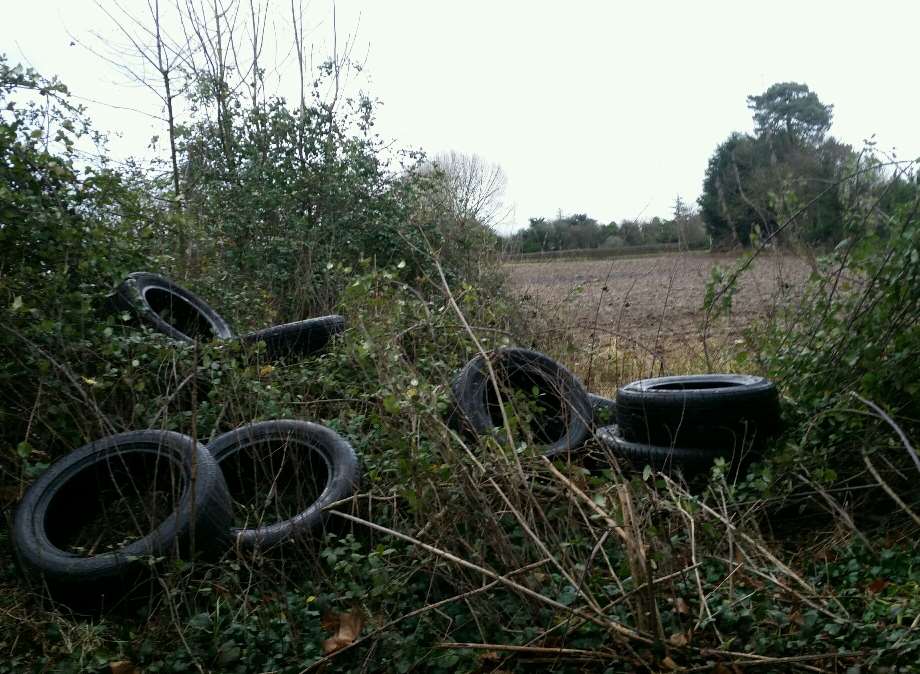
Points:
(24, 449)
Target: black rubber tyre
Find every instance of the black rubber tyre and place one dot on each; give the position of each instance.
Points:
(604, 410)
(193, 519)
(291, 488)
(297, 339)
(689, 461)
(169, 308)
(565, 425)
(708, 411)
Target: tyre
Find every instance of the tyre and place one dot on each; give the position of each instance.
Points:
(561, 412)
(689, 461)
(89, 526)
(709, 411)
(604, 410)
(281, 474)
(297, 339)
(169, 308)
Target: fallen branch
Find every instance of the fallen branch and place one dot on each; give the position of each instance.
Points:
(532, 650)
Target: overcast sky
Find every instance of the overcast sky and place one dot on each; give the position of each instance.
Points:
(605, 108)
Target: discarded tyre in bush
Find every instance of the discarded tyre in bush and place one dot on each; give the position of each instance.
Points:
(703, 411)
(89, 527)
(281, 475)
(561, 411)
(692, 419)
(297, 339)
(175, 311)
(169, 308)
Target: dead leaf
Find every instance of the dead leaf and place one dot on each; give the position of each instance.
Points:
(681, 605)
(678, 640)
(668, 663)
(348, 628)
(878, 585)
(329, 622)
(123, 667)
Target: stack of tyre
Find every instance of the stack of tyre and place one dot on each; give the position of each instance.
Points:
(681, 422)
(689, 421)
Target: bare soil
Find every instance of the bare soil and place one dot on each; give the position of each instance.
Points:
(655, 302)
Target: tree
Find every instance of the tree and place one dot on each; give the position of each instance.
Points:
(576, 231)
(469, 188)
(155, 61)
(792, 109)
(753, 184)
(632, 234)
(67, 228)
(682, 215)
(728, 216)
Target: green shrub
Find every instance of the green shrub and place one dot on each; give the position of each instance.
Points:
(855, 333)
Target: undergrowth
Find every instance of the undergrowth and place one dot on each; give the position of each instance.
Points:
(556, 561)
(460, 553)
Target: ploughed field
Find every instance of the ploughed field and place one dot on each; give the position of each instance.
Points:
(654, 303)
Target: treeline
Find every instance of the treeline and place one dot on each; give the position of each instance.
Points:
(684, 229)
(789, 182)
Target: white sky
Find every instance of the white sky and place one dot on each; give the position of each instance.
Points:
(605, 108)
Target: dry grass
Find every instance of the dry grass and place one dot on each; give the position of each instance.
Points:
(630, 317)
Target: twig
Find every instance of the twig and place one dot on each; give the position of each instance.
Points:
(617, 529)
(762, 550)
(888, 490)
(837, 508)
(592, 604)
(533, 650)
(89, 400)
(486, 360)
(640, 568)
(750, 660)
(878, 410)
(798, 595)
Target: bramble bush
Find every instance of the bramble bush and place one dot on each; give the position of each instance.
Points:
(855, 335)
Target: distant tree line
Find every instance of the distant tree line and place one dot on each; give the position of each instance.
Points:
(788, 182)
(579, 231)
